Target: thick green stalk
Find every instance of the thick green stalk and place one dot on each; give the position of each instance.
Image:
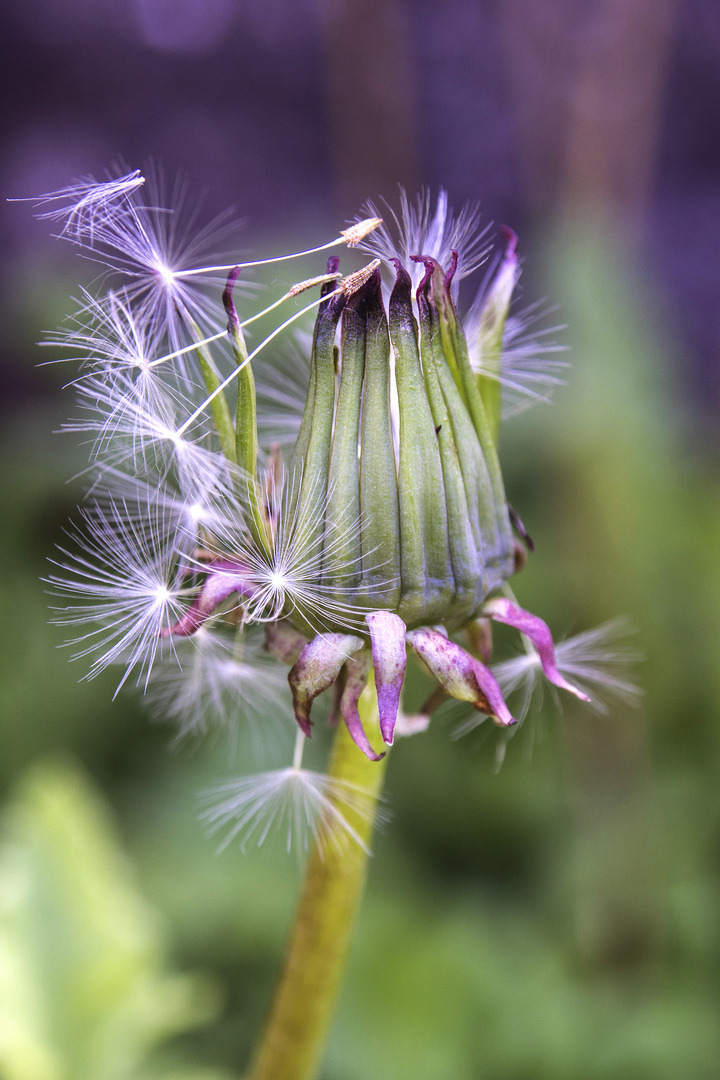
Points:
(304, 1004)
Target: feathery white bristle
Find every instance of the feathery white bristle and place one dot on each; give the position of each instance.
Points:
(417, 230)
(218, 678)
(87, 203)
(124, 578)
(186, 506)
(530, 370)
(598, 661)
(131, 426)
(305, 550)
(306, 805)
(152, 248)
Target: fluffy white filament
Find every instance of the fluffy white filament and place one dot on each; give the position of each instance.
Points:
(305, 805)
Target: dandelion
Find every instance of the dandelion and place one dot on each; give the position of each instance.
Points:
(87, 203)
(307, 805)
(124, 573)
(218, 679)
(256, 541)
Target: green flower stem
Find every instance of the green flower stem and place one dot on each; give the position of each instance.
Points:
(305, 999)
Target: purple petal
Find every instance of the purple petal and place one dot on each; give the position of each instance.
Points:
(317, 667)
(358, 669)
(538, 632)
(460, 674)
(387, 637)
(224, 577)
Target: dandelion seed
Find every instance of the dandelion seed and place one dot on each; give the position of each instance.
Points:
(305, 805)
(150, 433)
(87, 203)
(218, 678)
(288, 577)
(598, 661)
(125, 581)
(187, 510)
(151, 247)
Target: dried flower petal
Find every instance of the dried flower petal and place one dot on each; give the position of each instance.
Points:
(460, 674)
(317, 667)
(503, 610)
(387, 635)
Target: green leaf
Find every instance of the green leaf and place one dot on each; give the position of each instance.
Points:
(84, 994)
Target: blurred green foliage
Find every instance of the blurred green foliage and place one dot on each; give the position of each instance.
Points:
(556, 920)
(83, 993)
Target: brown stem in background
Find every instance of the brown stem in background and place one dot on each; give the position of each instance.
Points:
(588, 82)
(370, 98)
(588, 89)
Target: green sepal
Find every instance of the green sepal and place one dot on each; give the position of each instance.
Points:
(218, 405)
(455, 346)
(491, 330)
(427, 583)
(246, 437)
(342, 518)
(309, 470)
(379, 513)
(303, 438)
(465, 557)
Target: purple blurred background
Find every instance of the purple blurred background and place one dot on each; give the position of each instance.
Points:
(296, 111)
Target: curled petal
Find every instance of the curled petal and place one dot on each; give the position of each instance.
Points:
(284, 642)
(317, 667)
(387, 637)
(460, 674)
(503, 610)
(357, 670)
(224, 577)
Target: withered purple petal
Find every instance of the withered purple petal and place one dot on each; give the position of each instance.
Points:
(460, 674)
(387, 637)
(317, 667)
(358, 669)
(503, 610)
(224, 577)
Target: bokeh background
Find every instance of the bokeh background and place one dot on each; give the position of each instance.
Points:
(557, 918)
